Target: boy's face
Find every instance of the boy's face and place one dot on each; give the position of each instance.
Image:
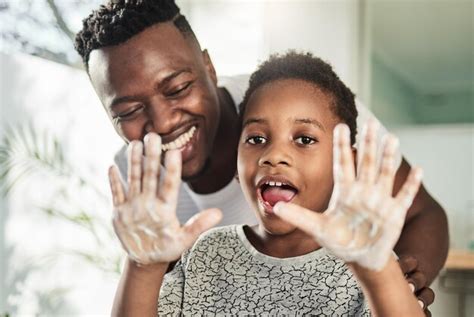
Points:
(160, 81)
(285, 149)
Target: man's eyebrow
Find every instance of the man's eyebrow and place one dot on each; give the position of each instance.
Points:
(173, 75)
(312, 122)
(253, 121)
(123, 99)
(162, 82)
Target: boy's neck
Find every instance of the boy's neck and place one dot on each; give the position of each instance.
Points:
(290, 245)
(223, 158)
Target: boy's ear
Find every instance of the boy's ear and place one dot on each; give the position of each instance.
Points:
(209, 66)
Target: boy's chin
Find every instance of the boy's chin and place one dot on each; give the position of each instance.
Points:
(278, 227)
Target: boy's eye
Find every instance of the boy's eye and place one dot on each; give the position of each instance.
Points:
(305, 140)
(256, 140)
(128, 115)
(178, 90)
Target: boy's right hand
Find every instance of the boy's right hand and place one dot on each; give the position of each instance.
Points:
(145, 216)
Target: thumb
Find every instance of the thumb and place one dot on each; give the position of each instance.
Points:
(199, 223)
(306, 220)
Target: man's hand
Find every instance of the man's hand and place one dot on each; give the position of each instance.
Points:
(417, 281)
(145, 217)
(363, 221)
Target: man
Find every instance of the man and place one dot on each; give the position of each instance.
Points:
(151, 75)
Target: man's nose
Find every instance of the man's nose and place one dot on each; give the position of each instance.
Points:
(162, 117)
(276, 154)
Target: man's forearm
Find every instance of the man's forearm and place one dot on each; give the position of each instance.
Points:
(425, 236)
(138, 290)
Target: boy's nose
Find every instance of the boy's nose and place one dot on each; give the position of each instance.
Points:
(274, 156)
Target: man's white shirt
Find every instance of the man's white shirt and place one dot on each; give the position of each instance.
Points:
(230, 199)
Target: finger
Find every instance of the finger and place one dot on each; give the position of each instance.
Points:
(367, 167)
(170, 187)
(407, 263)
(343, 160)
(387, 166)
(199, 223)
(407, 193)
(135, 151)
(152, 163)
(116, 186)
(426, 296)
(418, 279)
(302, 218)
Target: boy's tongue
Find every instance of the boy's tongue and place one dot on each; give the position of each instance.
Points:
(274, 194)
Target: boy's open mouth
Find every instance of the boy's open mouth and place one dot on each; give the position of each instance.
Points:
(274, 189)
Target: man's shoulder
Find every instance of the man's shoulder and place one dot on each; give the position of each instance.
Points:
(235, 85)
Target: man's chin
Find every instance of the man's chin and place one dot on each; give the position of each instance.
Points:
(197, 172)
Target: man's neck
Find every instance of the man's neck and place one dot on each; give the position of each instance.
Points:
(223, 159)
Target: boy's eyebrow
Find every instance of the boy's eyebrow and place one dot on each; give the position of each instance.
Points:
(252, 121)
(312, 122)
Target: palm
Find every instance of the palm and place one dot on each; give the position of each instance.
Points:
(145, 218)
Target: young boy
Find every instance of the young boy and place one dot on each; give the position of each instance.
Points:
(292, 262)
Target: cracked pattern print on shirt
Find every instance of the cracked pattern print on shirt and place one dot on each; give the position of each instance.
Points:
(222, 274)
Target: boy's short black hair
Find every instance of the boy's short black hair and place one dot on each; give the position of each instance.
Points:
(119, 20)
(307, 67)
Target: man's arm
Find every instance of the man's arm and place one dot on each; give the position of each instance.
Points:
(425, 234)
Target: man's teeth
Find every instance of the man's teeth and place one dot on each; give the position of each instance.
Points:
(179, 142)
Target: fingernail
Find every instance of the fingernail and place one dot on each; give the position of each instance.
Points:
(419, 174)
(277, 207)
(412, 287)
(422, 305)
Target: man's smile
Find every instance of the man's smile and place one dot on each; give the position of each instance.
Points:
(181, 141)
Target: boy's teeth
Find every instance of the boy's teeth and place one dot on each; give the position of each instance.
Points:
(270, 183)
(181, 141)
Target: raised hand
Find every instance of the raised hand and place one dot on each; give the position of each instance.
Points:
(145, 216)
(363, 221)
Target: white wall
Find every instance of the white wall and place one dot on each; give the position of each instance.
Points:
(446, 154)
(241, 34)
(40, 276)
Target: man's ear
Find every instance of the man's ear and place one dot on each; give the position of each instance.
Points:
(209, 66)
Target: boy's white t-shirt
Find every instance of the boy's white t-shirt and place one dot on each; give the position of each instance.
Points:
(230, 199)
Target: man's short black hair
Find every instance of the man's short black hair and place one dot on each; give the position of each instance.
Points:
(305, 66)
(119, 20)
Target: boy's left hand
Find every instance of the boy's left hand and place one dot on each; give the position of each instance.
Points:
(363, 221)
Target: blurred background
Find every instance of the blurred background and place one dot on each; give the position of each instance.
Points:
(410, 62)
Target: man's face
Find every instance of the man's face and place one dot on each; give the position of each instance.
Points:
(285, 150)
(159, 81)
